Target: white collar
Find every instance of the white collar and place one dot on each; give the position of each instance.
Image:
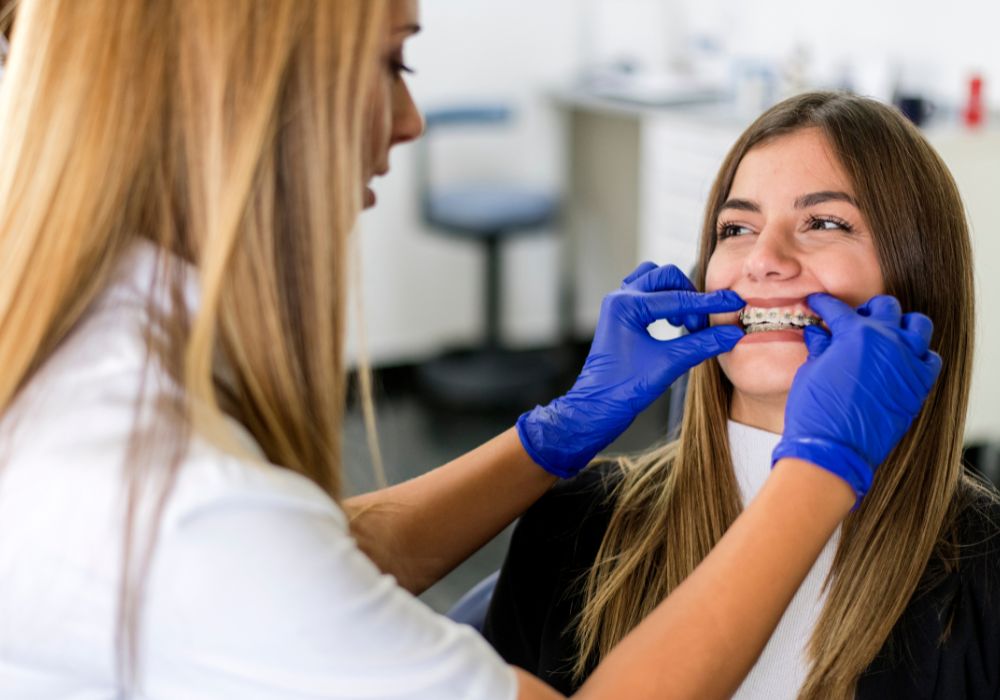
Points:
(751, 450)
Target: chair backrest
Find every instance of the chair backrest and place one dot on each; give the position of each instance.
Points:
(467, 115)
(675, 406)
(984, 458)
(472, 607)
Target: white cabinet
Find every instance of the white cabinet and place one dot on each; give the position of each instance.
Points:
(680, 158)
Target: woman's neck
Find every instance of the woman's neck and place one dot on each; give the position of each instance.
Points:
(764, 412)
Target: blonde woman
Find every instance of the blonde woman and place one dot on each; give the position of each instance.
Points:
(823, 193)
(178, 185)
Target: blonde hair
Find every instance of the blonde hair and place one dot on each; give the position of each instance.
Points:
(675, 502)
(228, 132)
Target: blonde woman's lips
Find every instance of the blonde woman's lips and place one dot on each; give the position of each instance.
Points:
(369, 197)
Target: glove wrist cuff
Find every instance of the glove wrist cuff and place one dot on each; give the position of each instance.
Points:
(556, 450)
(832, 456)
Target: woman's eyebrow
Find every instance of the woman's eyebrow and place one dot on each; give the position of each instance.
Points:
(407, 29)
(741, 205)
(808, 200)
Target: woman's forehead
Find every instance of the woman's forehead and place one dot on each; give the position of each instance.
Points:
(790, 166)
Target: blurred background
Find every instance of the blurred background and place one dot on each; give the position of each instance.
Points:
(569, 140)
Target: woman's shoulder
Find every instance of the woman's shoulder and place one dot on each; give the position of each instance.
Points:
(538, 594)
(574, 508)
(977, 533)
(977, 525)
(966, 561)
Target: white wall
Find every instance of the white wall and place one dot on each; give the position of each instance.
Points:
(422, 291)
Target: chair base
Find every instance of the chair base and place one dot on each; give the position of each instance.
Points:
(490, 379)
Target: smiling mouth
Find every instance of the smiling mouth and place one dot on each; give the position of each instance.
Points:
(756, 319)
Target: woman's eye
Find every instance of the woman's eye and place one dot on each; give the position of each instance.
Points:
(828, 223)
(731, 231)
(398, 67)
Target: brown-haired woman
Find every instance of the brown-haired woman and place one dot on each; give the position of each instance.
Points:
(178, 184)
(824, 192)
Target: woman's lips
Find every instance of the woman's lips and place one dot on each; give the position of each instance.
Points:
(369, 197)
(793, 305)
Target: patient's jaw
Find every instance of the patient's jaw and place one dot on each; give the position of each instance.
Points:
(789, 228)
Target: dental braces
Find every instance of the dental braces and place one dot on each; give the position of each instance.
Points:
(756, 320)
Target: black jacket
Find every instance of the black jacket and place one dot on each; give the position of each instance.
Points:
(538, 597)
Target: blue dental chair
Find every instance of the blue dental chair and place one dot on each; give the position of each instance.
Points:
(486, 215)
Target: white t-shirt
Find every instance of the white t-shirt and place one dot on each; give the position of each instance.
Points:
(257, 589)
(783, 665)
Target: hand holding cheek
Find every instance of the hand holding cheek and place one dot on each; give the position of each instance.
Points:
(860, 389)
(627, 369)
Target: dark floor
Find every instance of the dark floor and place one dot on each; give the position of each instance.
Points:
(415, 437)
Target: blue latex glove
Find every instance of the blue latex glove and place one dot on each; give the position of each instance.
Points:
(627, 368)
(860, 388)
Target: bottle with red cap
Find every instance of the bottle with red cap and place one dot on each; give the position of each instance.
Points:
(973, 113)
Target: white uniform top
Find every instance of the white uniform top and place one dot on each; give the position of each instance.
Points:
(783, 665)
(257, 589)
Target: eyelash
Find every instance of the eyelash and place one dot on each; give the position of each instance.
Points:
(813, 220)
(398, 68)
(725, 228)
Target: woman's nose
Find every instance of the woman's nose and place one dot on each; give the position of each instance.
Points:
(771, 258)
(407, 122)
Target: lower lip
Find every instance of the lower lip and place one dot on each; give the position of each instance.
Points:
(369, 197)
(772, 337)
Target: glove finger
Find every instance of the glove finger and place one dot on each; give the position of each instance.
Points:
(638, 272)
(693, 349)
(681, 320)
(917, 344)
(659, 279)
(670, 305)
(882, 308)
(919, 324)
(933, 364)
(817, 340)
(694, 322)
(832, 310)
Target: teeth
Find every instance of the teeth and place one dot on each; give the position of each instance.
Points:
(756, 319)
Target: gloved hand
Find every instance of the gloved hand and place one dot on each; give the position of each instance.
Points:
(860, 388)
(627, 368)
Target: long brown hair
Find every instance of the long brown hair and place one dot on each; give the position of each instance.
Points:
(229, 132)
(676, 501)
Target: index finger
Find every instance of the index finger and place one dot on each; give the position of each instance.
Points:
(669, 305)
(638, 272)
(829, 308)
(661, 279)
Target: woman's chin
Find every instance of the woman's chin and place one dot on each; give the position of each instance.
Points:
(764, 370)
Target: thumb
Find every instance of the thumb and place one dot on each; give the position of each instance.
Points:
(693, 349)
(817, 340)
